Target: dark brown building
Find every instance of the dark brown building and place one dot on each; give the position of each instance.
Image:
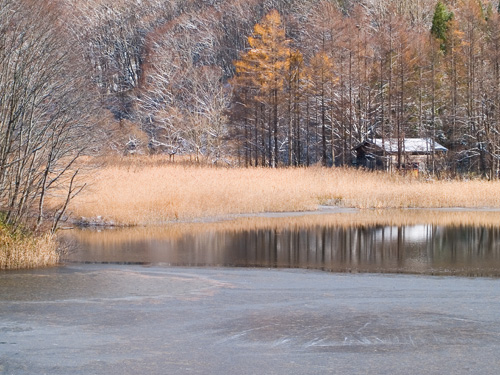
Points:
(415, 154)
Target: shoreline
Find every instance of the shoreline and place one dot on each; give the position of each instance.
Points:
(100, 223)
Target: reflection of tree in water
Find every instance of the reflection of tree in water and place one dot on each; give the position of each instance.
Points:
(466, 244)
(414, 249)
(468, 250)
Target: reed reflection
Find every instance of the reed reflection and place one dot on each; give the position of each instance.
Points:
(424, 248)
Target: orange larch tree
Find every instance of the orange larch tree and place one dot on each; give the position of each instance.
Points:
(265, 65)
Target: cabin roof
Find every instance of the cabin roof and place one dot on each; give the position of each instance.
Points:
(409, 145)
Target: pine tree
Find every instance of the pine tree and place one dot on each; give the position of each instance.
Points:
(440, 23)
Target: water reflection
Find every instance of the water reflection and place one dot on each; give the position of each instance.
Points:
(423, 248)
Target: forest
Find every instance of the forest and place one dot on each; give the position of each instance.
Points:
(294, 82)
(243, 83)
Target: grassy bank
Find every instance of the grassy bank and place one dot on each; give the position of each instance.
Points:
(19, 251)
(148, 191)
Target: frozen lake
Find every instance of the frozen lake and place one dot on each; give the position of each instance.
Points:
(131, 319)
(246, 298)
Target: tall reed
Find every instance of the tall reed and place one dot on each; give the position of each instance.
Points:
(26, 251)
(149, 191)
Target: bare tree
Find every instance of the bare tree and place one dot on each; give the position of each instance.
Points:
(209, 101)
(44, 112)
(183, 99)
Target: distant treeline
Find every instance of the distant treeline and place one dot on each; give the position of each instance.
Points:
(271, 82)
(297, 82)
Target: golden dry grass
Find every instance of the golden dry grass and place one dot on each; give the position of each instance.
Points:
(21, 252)
(149, 191)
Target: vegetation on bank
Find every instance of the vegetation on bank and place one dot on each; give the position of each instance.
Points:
(45, 125)
(19, 250)
(151, 191)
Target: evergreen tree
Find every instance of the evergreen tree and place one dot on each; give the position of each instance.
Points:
(440, 24)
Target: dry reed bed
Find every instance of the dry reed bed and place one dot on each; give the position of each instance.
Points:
(141, 193)
(364, 218)
(27, 252)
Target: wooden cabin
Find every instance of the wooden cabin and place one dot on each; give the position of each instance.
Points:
(417, 154)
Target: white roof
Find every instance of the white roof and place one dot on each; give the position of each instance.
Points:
(415, 145)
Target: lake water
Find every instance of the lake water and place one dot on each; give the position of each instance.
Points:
(453, 249)
(122, 305)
